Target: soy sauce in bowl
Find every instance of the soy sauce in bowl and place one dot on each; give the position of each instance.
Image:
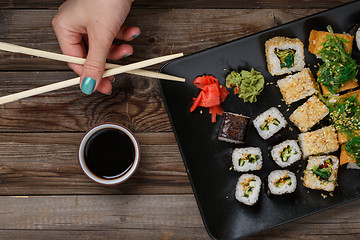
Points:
(109, 153)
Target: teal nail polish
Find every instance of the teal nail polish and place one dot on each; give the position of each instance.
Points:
(126, 55)
(136, 35)
(88, 85)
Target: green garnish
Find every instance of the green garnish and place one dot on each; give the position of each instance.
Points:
(283, 181)
(246, 84)
(345, 115)
(249, 187)
(286, 153)
(323, 171)
(338, 67)
(268, 121)
(352, 147)
(233, 79)
(286, 57)
(252, 158)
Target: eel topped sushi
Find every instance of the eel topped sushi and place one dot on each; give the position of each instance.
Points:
(286, 153)
(248, 189)
(281, 182)
(269, 122)
(247, 159)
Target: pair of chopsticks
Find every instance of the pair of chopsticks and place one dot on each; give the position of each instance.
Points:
(113, 69)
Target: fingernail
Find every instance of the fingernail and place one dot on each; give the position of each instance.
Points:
(126, 55)
(109, 93)
(88, 85)
(136, 35)
(113, 80)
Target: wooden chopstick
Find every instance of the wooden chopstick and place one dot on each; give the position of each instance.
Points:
(70, 59)
(75, 81)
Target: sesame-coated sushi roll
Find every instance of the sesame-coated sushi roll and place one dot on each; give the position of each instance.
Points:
(247, 159)
(248, 189)
(321, 141)
(286, 153)
(309, 114)
(281, 182)
(284, 55)
(269, 122)
(298, 86)
(321, 173)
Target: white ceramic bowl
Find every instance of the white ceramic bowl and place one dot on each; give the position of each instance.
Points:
(124, 176)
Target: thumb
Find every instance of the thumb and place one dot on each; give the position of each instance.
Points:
(94, 66)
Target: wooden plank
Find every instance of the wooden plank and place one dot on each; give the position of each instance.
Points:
(46, 163)
(100, 213)
(176, 233)
(148, 217)
(196, 30)
(135, 102)
(192, 4)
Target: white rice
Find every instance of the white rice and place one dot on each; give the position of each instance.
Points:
(246, 197)
(243, 153)
(272, 113)
(295, 152)
(275, 176)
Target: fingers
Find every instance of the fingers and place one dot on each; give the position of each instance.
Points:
(105, 86)
(121, 51)
(70, 43)
(99, 46)
(124, 50)
(128, 33)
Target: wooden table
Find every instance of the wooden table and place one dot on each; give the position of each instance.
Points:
(44, 193)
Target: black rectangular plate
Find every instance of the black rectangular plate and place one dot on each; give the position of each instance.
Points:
(207, 160)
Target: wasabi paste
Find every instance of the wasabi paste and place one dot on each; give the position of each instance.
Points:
(246, 84)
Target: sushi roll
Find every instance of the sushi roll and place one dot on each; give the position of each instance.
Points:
(321, 141)
(233, 128)
(269, 122)
(247, 159)
(321, 173)
(248, 189)
(286, 153)
(281, 182)
(284, 55)
(298, 86)
(309, 114)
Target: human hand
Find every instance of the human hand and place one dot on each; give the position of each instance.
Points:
(100, 21)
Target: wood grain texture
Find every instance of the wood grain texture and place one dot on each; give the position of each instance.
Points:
(190, 4)
(167, 217)
(163, 32)
(46, 163)
(135, 102)
(43, 192)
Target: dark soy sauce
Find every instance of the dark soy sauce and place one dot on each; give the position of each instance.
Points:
(109, 153)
